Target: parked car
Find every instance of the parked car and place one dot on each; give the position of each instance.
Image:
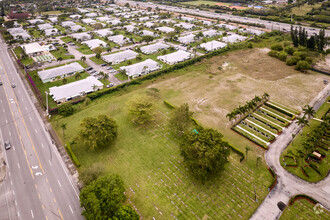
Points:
(93, 71)
(13, 85)
(103, 64)
(110, 85)
(89, 68)
(7, 145)
(109, 68)
(113, 71)
(1, 83)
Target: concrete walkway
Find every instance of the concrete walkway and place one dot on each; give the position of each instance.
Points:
(289, 185)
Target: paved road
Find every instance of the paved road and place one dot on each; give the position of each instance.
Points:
(268, 24)
(37, 184)
(288, 184)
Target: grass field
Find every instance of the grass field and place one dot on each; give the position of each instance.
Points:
(51, 12)
(303, 209)
(205, 3)
(296, 145)
(148, 158)
(26, 61)
(82, 48)
(302, 10)
(61, 52)
(157, 182)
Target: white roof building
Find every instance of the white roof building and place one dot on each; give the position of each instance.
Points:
(36, 21)
(118, 39)
(227, 26)
(187, 19)
(51, 32)
(153, 48)
(88, 21)
(32, 48)
(213, 45)
(186, 26)
(168, 21)
(75, 17)
(165, 29)
(251, 31)
(76, 28)
(61, 71)
(104, 19)
(187, 39)
(67, 24)
(91, 15)
(103, 32)
(147, 33)
(17, 32)
(142, 68)
(129, 28)
(119, 57)
(144, 19)
(114, 22)
(53, 19)
(208, 23)
(45, 26)
(81, 10)
(94, 43)
(149, 24)
(75, 89)
(176, 57)
(233, 38)
(211, 33)
(81, 36)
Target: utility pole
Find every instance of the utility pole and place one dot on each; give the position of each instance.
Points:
(47, 102)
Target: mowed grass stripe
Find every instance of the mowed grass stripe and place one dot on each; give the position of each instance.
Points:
(268, 119)
(277, 112)
(264, 125)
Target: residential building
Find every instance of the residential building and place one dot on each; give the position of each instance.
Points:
(61, 71)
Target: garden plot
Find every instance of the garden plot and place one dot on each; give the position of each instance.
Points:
(266, 123)
(44, 58)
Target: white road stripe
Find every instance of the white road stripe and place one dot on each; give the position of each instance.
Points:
(32, 214)
(14, 148)
(70, 209)
(3, 110)
(30, 118)
(59, 183)
(18, 165)
(18, 214)
(26, 108)
(36, 131)
(11, 183)
(15, 202)
(42, 145)
(9, 133)
(50, 162)
(6, 121)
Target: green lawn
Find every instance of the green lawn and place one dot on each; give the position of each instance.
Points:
(303, 209)
(82, 48)
(296, 145)
(121, 76)
(97, 61)
(88, 28)
(26, 61)
(51, 12)
(61, 52)
(60, 28)
(302, 10)
(199, 2)
(35, 33)
(148, 160)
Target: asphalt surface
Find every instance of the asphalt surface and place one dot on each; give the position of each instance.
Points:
(37, 183)
(268, 24)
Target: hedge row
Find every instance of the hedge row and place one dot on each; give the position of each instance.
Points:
(293, 199)
(169, 104)
(72, 155)
(279, 110)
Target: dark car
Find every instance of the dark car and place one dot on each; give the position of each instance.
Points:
(7, 145)
(103, 64)
(1, 83)
(89, 68)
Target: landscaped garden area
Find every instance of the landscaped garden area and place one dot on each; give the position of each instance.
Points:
(307, 155)
(304, 208)
(24, 58)
(262, 123)
(61, 52)
(81, 48)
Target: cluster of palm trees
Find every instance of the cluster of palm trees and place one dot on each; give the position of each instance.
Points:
(249, 107)
(309, 112)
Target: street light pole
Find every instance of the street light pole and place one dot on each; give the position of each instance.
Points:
(47, 102)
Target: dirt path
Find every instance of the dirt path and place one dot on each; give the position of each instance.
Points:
(288, 184)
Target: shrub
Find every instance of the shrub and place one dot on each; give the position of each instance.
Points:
(309, 60)
(303, 65)
(290, 50)
(277, 47)
(282, 55)
(292, 61)
(168, 104)
(65, 109)
(72, 155)
(273, 53)
(302, 55)
(250, 45)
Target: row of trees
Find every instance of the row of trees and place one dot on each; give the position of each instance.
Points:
(248, 107)
(300, 38)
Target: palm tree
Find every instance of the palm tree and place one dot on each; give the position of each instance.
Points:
(64, 80)
(63, 126)
(302, 121)
(95, 87)
(265, 96)
(83, 58)
(98, 56)
(77, 76)
(105, 75)
(309, 111)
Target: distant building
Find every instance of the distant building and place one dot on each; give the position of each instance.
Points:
(61, 71)
(142, 68)
(176, 57)
(119, 57)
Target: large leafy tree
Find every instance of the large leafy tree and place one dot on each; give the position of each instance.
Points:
(98, 131)
(103, 197)
(205, 153)
(126, 213)
(181, 119)
(141, 109)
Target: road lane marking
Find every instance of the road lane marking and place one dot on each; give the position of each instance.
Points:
(36, 131)
(43, 207)
(15, 202)
(18, 165)
(18, 214)
(42, 145)
(50, 162)
(70, 209)
(6, 121)
(60, 214)
(3, 110)
(32, 214)
(38, 173)
(46, 180)
(11, 182)
(22, 117)
(9, 133)
(14, 148)
(59, 183)
(36, 186)
(54, 200)
(30, 118)
(26, 108)
(46, 217)
(50, 189)
(39, 195)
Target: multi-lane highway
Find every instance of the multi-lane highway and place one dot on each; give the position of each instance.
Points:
(271, 25)
(37, 184)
